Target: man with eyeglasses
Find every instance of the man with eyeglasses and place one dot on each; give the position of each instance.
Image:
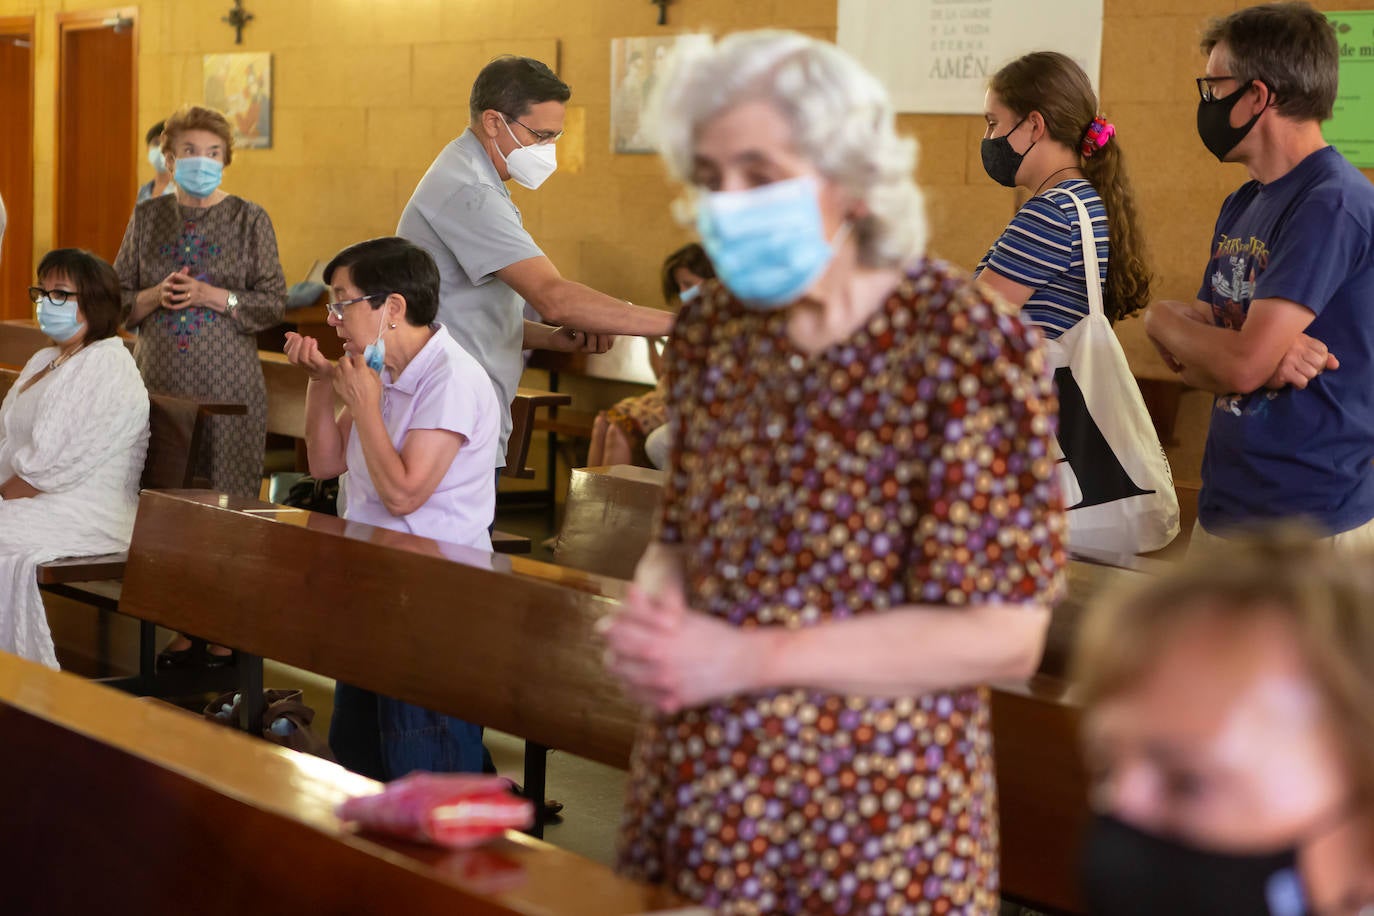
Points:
(489, 266)
(1289, 275)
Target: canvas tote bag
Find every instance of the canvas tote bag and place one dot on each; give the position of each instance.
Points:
(1113, 473)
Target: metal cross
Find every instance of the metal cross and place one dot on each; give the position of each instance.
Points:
(237, 19)
(662, 10)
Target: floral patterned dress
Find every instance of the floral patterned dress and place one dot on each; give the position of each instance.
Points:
(199, 353)
(640, 415)
(908, 464)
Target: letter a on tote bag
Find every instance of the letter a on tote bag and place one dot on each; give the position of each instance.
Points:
(1113, 473)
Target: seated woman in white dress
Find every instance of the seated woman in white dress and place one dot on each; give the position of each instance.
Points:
(73, 436)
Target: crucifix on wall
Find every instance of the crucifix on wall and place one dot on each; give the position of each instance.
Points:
(238, 18)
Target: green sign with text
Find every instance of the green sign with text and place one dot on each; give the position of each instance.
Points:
(1351, 128)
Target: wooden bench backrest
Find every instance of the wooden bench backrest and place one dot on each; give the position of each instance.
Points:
(174, 435)
(608, 519)
(127, 807)
(476, 636)
(1042, 792)
(7, 379)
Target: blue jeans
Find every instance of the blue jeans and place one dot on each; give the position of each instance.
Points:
(385, 739)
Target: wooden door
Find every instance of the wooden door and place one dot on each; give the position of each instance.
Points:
(16, 163)
(97, 129)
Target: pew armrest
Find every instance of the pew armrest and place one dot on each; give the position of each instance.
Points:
(505, 542)
(522, 412)
(82, 569)
(224, 410)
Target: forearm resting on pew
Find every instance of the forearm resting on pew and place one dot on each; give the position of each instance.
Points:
(18, 488)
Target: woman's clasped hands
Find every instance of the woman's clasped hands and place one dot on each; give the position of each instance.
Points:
(670, 657)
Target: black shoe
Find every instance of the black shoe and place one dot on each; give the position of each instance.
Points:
(213, 660)
(553, 809)
(181, 659)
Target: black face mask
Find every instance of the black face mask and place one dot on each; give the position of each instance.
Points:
(1000, 161)
(1128, 872)
(1214, 123)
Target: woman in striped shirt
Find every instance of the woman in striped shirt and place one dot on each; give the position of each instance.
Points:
(1044, 132)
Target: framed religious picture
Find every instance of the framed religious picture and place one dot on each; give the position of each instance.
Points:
(637, 65)
(240, 85)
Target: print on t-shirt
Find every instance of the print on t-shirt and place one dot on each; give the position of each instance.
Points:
(1245, 258)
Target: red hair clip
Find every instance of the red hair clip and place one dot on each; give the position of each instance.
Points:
(1096, 136)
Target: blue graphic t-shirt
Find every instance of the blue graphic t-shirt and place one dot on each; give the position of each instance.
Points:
(1305, 237)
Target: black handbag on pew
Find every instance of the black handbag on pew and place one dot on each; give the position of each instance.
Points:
(314, 495)
(285, 720)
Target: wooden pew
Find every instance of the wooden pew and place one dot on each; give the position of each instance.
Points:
(517, 652)
(524, 418)
(119, 806)
(1042, 792)
(503, 641)
(626, 362)
(19, 340)
(608, 519)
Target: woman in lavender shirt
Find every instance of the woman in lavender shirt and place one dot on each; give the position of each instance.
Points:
(415, 444)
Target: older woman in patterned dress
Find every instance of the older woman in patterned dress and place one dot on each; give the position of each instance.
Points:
(201, 277)
(860, 526)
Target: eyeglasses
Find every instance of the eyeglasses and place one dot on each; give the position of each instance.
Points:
(58, 296)
(541, 137)
(1204, 86)
(337, 308)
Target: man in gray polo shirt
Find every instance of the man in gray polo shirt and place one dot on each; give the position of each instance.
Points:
(462, 214)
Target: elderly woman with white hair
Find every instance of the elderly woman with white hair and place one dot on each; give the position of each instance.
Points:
(860, 525)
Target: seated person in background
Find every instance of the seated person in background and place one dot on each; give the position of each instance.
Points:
(618, 436)
(162, 176)
(416, 442)
(73, 436)
(1229, 725)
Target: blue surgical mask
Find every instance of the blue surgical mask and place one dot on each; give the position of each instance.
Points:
(688, 294)
(157, 160)
(60, 322)
(767, 244)
(199, 176)
(374, 355)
